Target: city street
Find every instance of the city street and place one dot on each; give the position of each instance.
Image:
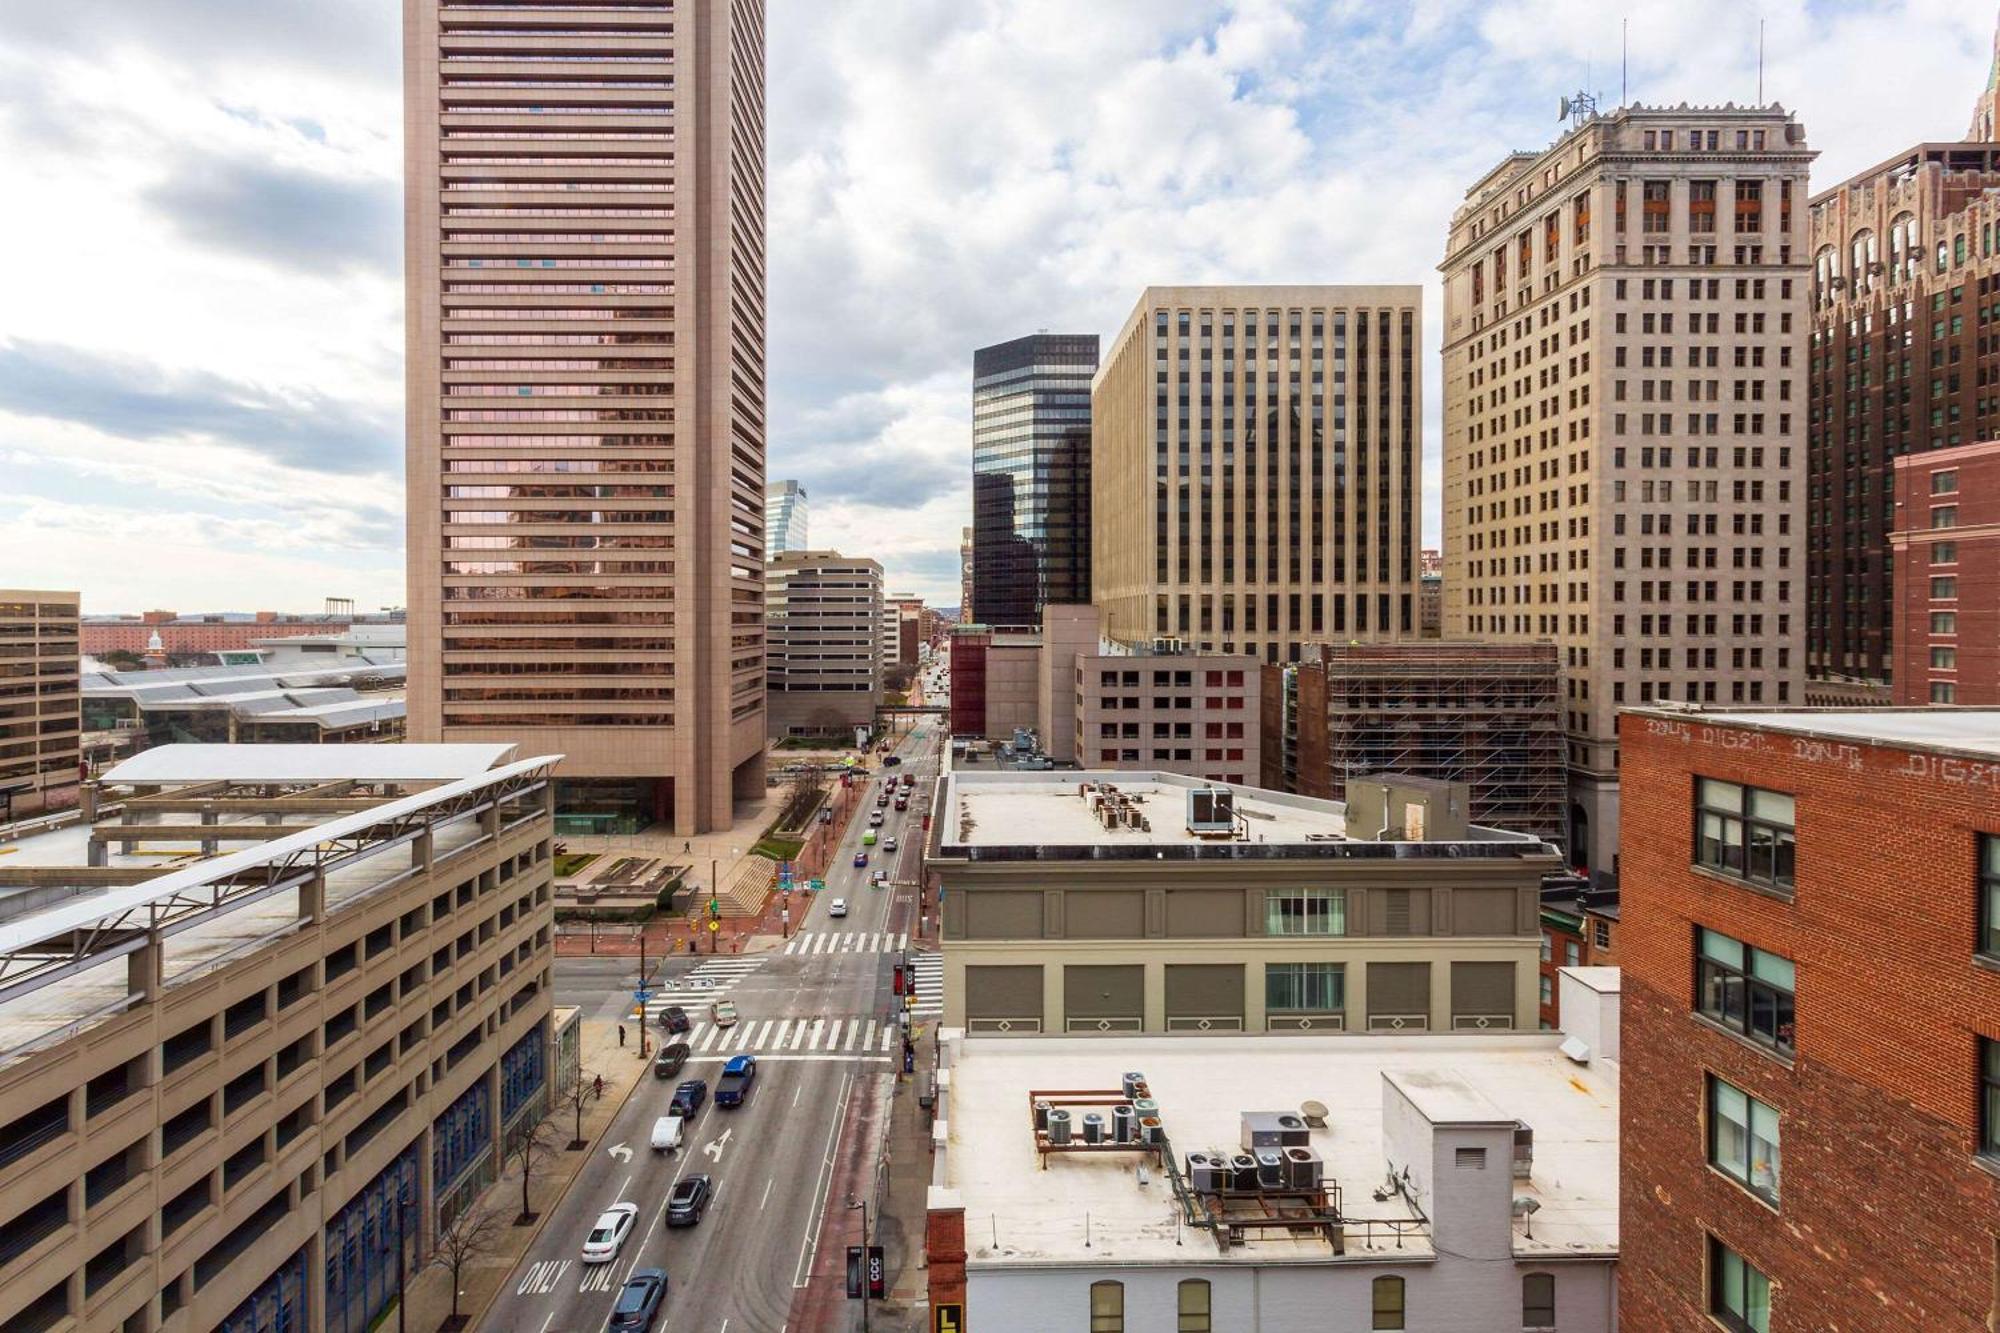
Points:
(818, 1013)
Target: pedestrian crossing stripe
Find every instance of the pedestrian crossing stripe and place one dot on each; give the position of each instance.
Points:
(764, 1036)
(927, 983)
(847, 941)
(710, 981)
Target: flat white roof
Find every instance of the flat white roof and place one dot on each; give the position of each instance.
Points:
(991, 809)
(1026, 1215)
(1969, 730)
(310, 763)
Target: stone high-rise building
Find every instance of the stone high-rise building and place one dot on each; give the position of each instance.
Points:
(1031, 475)
(1624, 416)
(41, 702)
(823, 619)
(585, 269)
(1256, 468)
(1905, 258)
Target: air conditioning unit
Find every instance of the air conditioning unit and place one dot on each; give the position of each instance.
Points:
(1524, 1151)
(1274, 1129)
(1270, 1168)
(1304, 1169)
(1205, 1172)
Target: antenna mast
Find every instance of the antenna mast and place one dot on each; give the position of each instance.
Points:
(1760, 62)
(1624, 60)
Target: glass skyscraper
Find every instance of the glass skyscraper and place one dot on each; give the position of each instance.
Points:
(784, 518)
(1031, 476)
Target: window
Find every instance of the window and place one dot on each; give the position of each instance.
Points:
(1944, 585)
(1944, 553)
(1603, 929)
(1538, 1300)
(1107, 1307)
(1989, 1097)
(1745, 989)
(1317, 987)
(1944, 516)
(1943, 692)
(1728, 815)
(1989, 895)
(1305, 912)
(1194, 1311)
(1739, 1297)
(1548, 989)
(1944, 483)
(1388, 1303)
(1944, 659)
(1743, 1139)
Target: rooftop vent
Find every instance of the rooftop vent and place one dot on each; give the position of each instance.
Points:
(1211, 810)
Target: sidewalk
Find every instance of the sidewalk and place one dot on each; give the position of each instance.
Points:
(430, 1290)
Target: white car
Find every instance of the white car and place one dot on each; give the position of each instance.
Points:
(608, 1236)
(889, 843)
(838, 907)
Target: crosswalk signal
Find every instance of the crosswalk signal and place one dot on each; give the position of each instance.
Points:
(714, 907)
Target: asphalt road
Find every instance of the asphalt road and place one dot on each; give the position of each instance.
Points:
(819, 1025)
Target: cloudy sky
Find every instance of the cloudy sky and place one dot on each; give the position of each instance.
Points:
(201, 324)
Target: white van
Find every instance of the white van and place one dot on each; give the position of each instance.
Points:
(668, 1131)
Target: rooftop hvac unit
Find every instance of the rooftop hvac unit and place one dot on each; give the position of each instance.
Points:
(1124, 1124)
(1205, 1172)
(1243, 1172)
(1058, 1126)
(1042, 1116)
(1093, 1127)
(1275, 1129)
(1524, 1151)
(1303, 1169)
(1130, 1083)
(1270, 1168)
(1211, 810)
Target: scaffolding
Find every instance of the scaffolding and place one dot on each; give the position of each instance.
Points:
(1485, 714)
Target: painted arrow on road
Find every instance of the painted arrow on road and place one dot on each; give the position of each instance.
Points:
(620, 1152)
(715, 1149)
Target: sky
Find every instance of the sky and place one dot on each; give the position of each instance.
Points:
(201, 347)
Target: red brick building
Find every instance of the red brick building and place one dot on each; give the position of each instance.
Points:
(1579, 929)
(199, 633)
(1947, 589)
(1810, 945)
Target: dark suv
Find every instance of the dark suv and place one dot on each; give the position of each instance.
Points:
(674, 1018)
(638, 1302)
(688, 1201)
(688, 1098)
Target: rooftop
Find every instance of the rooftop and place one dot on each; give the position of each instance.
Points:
(1022, 1209)
(309, 763)
(1056, 815)
(1971, 732)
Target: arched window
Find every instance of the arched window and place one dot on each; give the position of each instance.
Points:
(1958, 249)
(1194, 1307)
(1107, 1307)
(1388, 1303)
(1538, 1300)
(1903, 251)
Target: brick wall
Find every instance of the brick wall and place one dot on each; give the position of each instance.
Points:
(1966, 551)
(1886, 1221)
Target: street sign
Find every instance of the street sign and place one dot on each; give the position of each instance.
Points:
(878, 1274)
(715, 925)
(642, 995)
(948, 1318)
(854, 1273)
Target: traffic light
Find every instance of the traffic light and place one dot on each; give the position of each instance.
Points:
(714, 907)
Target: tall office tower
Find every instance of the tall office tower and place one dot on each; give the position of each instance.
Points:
(823, 617)
(41, 701)
(784, 519)
(1905, 259)
(1624, 420)
(1031, 476)
(1256, 468)
(585, 237)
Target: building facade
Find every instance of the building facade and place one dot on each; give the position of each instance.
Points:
(822, 630)
(1031, 476)
(1186, 713)
(1579, 929)
(41, 701)
(1488, 715)
(996, 681)
(234, 1118)
(589, 579)
(1095, 902)
(210, 632)
(1905, 261)
(1625, 415)
(1819, 1141)
(1283, 492)
(785, 527)
(1946, 545)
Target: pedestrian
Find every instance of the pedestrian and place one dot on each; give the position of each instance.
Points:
(688, 845)
(621, 1034)
(600, 1087)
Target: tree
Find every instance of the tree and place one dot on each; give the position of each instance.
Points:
(122, 659)
(577, 1096)
(473, 1233)
(532, 1146)
(803, 795)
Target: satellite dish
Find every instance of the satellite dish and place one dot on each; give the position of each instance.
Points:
(1563, 114)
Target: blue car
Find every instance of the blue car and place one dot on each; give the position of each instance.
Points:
(638, 1302)
(861, 857)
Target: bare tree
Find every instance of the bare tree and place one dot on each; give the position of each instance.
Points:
(575, 1097)
(802, 796)
(533, 1143)
(472, 1234)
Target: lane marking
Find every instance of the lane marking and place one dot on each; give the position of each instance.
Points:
(809, 1245)
(767, 1193)
(620, 1196)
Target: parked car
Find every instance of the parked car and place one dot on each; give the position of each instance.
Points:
(838, 907)
(674, 1018)
(638, 1302)
(668, 1131)
(723, 1013)
(689, 1201)
(614, 1224)
(670, 1059)
(688, 1098)
(861, 857)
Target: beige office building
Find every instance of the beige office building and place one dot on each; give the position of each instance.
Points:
(232, 1082)
(1625, 420)
(1125, 902)
(41, 701)
(586, 394)
(1256, 468)
(823, 612)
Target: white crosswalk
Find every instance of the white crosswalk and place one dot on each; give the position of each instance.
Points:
(847, 941)
(711, 981)
(927, 977)
(767, 1036)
